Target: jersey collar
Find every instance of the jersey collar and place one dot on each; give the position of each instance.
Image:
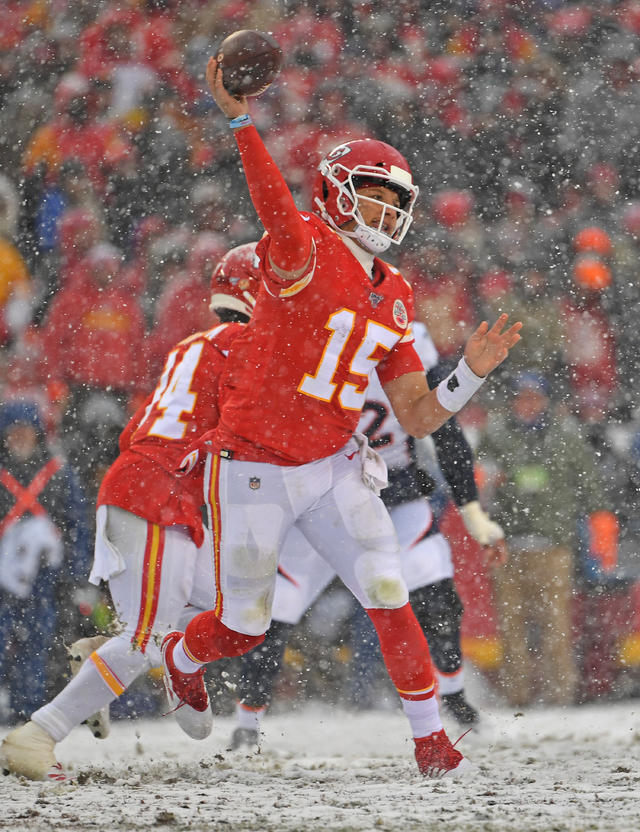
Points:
(365, 258)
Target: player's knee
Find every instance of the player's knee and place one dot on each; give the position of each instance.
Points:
(208, 639)
(387, 593)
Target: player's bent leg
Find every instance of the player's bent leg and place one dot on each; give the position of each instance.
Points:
(186, 693)
(250, 524)
(207, 639)
(184, 657)
(151, 594)
(98, 723)
(101, 678)
(105, 675)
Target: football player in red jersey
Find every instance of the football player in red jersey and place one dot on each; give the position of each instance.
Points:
(426, 562)
(149, 533)
(328, 314)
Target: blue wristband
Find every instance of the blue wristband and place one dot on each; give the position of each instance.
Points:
(240, 121)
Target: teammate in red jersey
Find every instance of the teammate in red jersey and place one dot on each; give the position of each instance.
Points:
(328, 314)
(149, 531)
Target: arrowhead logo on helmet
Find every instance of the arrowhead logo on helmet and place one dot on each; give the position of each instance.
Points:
(357, 164)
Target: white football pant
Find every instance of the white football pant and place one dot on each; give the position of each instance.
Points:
(252, 508)
(303, 575)
(149, 595)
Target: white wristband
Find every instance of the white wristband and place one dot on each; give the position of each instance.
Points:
(456, 389)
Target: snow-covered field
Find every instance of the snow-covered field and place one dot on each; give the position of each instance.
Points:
(560, 770)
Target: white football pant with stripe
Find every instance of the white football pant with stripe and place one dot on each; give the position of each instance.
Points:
(252, 508)
(303, 575)
(149, 594)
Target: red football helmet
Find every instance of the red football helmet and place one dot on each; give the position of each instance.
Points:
(357, 164)
(236, 280)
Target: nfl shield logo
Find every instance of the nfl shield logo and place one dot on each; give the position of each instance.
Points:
(254, 483)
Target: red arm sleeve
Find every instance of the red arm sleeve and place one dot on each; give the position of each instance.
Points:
(290, 237)
(402, 359)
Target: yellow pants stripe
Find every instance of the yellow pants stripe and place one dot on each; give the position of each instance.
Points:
(111, 680)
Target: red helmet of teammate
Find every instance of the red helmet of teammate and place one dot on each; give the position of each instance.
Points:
(236, 280)
(358, 164)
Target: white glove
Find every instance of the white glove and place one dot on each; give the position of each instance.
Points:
(479, 525)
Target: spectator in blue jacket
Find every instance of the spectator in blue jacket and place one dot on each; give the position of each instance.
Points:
(43, 553)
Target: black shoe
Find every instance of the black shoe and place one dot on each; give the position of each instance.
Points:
(459, 708)
(244, 737)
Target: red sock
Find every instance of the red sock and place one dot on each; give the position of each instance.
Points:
(207, 639)
(405, 652)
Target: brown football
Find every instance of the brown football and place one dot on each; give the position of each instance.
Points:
(250, 61)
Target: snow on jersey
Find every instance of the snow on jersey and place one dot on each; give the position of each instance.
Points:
(184, 405)
(378, 421)
(294, 384)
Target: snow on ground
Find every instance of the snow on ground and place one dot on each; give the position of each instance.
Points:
(547, 770)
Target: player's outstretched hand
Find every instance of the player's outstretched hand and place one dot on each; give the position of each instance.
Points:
(489, 347)
(230, 106)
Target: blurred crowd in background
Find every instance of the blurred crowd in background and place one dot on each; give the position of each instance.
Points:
(120, 188)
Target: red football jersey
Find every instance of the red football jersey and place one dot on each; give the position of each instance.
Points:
(184, 405)
(295, 381)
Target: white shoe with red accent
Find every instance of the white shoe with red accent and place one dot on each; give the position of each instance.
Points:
(28, 751)
(186, 693)
(98, 723)
(436, 757)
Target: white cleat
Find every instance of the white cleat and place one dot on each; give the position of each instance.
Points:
(186, 693)
(28, 752)
(79, 652)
